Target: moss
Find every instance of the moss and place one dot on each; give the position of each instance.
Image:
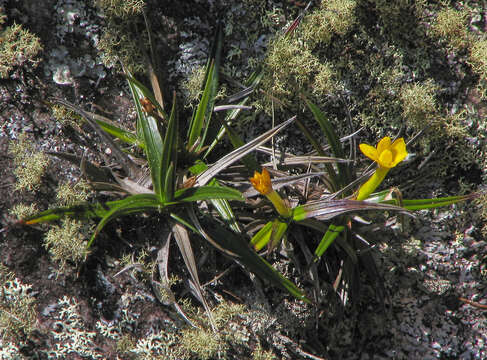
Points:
(451, 25)
(18, 47)
(478, 58)
(67, 242)
(30, 166)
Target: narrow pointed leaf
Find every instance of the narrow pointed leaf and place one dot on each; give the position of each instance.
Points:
(207, 193)
(330, 236)
(151, 134)
(237, 154)
(224, 209)
(262, 237)
(328, 209)
(131, 204)
(124, 160)
(182, 239)
(169, 155)
(236, 244)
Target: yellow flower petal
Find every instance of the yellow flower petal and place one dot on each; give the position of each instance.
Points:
(383, 144)
(369, 151)
(262, 182)
(385, 159)
(399, 152)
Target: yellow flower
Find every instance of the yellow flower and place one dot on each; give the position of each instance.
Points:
(262, 182)
(387, 155)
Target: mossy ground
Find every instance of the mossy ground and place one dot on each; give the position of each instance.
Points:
(426, 71)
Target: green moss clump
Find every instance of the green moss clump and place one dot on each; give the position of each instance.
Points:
(478, 58)
(67, 242)
(451, 25)
(30, 166)
(17, 48)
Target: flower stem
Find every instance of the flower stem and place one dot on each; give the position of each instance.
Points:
(279, 204)
(370, 185)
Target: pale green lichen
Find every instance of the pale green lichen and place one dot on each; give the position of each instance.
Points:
(478, 58)
(18, 47)
(261, 354)
(21, 211)
(451, 25)
(17, 309)
(119, 43)
(67, 242)
(68, 194)
(121, 8)
(30, 165)
(419, 104)
(71, 335)
(334, 17)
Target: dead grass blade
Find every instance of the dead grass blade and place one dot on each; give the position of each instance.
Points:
(182, 239)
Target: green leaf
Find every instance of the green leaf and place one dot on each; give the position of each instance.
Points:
(236, 244)
(152, 138)
(422, 204)
(169, 155)
(328, 209)
(132, 204)
(330, 236)
(126, 136)
(202, 115)
(207, 193)
(334, 141)
(224, 209)
(278, 231)
(262, 237)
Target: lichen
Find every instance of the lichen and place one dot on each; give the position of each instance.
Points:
(334, 17)
(119, 42)
(451, 25)
(68, 194)
(419, 104)
(67, 242)
(70, 333)
(21, 211)
(17, 310)
(30, 165)
(478, 58)
(18, 47)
